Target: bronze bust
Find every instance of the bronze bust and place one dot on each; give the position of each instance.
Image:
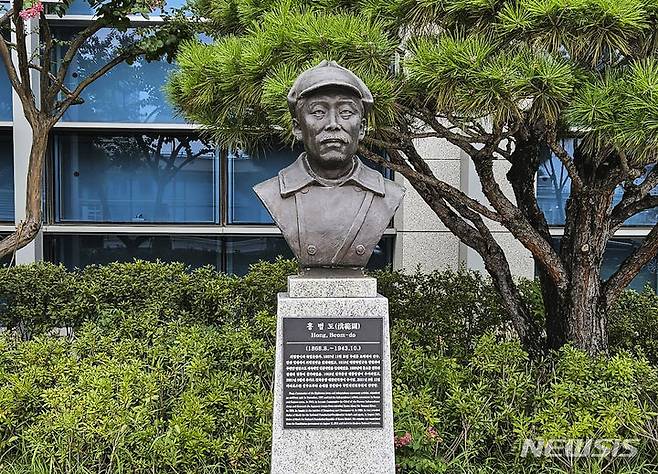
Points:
(331, 208)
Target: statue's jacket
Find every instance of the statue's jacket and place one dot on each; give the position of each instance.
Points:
(331, 226)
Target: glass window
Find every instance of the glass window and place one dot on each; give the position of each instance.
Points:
(129, 93)
(243, 251)
(554, 185)
(82, 7)
(230, 254)
(245, 171)
(135, 178)
(6, 177)
(554, 188)
(82, 250)
(382, 256)
(6, 113)
(616, 253)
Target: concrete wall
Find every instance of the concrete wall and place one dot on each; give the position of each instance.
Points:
(422, 239)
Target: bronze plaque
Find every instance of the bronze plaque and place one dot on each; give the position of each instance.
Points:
(332, 373)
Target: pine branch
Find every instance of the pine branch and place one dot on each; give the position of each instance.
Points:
(562, 155)
(448, 192)
(630, 267)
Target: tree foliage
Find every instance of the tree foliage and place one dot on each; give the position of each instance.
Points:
(503, 80)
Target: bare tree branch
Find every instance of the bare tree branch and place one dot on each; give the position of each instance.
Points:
(52, 77)
(62, 106)
(71, 52)
(46, 58)
(5, 53)
(21, 47)
(462, 141)
(626, 209)
(636, 198)
(628, 171)
(649, 182)
(517, 223)
(479, 237)
(23, 89)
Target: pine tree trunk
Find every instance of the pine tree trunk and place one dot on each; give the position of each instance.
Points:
(581, 306)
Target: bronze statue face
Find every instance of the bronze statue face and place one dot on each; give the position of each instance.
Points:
(330, 122)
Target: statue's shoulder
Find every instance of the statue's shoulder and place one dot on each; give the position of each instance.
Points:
(393, 192)
(394, 189)
(268, 191)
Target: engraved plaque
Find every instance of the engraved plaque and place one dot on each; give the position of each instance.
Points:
(332, 373)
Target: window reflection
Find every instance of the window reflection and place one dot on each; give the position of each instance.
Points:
(244, 251)
(135, 178)
(6, 177)
(5, 96)
(129, 93)
(554, 185)
(229, 254)
(244, 172)
(78, 251)
(554, 188)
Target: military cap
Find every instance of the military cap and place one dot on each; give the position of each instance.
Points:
(325, 74)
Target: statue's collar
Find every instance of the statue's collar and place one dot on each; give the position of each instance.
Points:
(295, 177)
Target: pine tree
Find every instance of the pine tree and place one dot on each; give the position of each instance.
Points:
(499, 79)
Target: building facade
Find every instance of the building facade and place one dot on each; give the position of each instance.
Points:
(127, 178)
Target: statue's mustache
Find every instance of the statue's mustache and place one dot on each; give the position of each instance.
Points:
(333, 138)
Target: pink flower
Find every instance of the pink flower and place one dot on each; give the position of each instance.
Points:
(401, 441)
(434, 435)
(31, 12)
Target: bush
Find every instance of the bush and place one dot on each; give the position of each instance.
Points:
(444, 310)
(147, 395)
(171, 372)
(36, 299)
(633, 323)
(477, 414)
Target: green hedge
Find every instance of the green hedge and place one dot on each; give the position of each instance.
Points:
(171, 372)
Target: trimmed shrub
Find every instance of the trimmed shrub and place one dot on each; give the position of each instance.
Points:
(444, 310)
(633, 323)
(36, 298)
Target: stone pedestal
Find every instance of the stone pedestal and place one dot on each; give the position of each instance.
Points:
(314, 302)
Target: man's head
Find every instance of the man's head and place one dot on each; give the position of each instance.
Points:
(329, 104)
